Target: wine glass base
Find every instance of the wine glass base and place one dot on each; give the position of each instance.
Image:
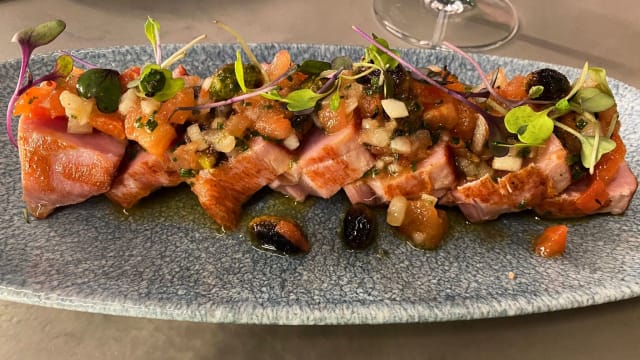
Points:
(487, 25)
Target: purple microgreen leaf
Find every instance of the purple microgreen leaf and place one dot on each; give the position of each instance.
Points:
(39, 35)
(28, 40)
(152, 30)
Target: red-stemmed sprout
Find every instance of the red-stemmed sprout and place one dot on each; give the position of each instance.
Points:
(494, 122)
(79, 60)
(261, 90)
(28, 40)
(481, 73)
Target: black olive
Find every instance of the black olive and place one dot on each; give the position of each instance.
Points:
(555, 84)
(279, 235)
(359, 227)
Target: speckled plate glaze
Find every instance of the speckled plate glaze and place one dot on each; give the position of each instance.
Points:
(166, 259)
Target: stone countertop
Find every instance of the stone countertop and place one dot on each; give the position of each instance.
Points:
(562, 32)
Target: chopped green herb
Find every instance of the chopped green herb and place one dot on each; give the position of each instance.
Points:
(187, 173)
(151, 124)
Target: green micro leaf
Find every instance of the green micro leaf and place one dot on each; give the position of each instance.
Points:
(593, 99)
(103, 85)
(599, 76)
(562, 106)
(239, 70)
(158, 83)
(314, 67)
(335, 101)
(532, 127)
(379, 57)
(63, 66)
(302, 99)
(152, 30)
(536, 91)
(605, 145)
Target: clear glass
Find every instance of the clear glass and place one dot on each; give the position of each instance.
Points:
(473, 25)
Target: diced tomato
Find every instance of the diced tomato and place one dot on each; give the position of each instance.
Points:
(128, 76)
(110, 124)
(593, 198)
(184, 98)
(515, 89)
(237, 124)
(596, 195)
(30, 99)
(552, 241)
(607, 168)
(275, 127)
(334, 121)
(280, 64)
(155, 140)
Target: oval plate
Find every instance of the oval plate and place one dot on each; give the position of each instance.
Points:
(166, 258)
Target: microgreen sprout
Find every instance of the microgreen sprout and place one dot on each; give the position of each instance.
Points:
(532, 127)
(593, 147)
(492, 121)
(239, 69)
(156, 81)
(28, 40)
(264, 89)
(483, 77)
(182, 52)
(152, 30)
(245, 47)
(79, 60)
(304, 99)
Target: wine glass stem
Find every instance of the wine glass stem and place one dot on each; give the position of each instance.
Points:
(440, 28)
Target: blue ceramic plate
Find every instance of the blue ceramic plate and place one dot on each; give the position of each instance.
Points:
(166, 258)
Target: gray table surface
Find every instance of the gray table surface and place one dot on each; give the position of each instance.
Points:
(563, 32)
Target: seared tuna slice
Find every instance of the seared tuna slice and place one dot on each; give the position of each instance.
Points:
(143, 175)
(222, 190)
(59, 168)
(434, 175)
(326, 164)
(545, 177)
(621, 190)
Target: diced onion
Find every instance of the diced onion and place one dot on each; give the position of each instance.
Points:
(393, 169)
(127, 102)
(396, 211)
(480, 135)
(401, 145)
(195, 136)
(511, 162)
(394, 108)
(78, 110)
(369, 123)
(220, 140)
(149, 106)
(291, 142)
